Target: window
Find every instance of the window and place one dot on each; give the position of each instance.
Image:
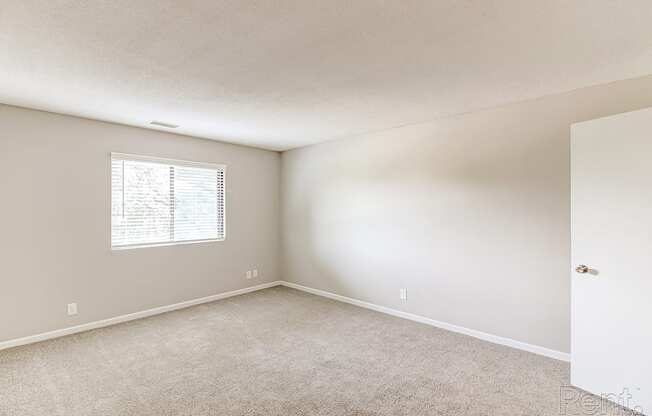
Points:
(159, 202)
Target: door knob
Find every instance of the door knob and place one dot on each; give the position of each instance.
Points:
(582, 269)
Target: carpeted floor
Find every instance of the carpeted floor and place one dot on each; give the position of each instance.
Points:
(279, 352)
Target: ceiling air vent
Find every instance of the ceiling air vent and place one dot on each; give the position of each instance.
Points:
(162, 124)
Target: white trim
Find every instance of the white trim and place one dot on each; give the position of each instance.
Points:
(558, 355)
(165, 161)
(129, 317)
(171, 243)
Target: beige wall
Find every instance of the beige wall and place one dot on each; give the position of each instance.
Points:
(55, 224)
(469, 213)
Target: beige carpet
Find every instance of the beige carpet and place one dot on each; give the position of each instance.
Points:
(278, 352)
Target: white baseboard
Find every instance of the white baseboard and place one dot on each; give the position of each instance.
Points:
(558, 355)
(129, 317)
(168, 308)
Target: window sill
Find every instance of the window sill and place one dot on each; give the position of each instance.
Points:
(175, 243)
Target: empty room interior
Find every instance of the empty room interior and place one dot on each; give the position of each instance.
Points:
(325, 208)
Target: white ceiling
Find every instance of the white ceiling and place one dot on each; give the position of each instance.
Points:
(279, 74)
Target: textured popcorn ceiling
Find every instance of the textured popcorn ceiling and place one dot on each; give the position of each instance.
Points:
(280, 74)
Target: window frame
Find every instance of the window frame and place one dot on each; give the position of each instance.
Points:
(164, 161)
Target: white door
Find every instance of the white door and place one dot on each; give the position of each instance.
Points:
(611, 215)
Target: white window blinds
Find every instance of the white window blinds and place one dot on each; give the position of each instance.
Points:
(159, 201)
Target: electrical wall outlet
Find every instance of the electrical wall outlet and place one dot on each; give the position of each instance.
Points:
(248, 275)
(404, 294)
(72, 309)
(255, 273)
